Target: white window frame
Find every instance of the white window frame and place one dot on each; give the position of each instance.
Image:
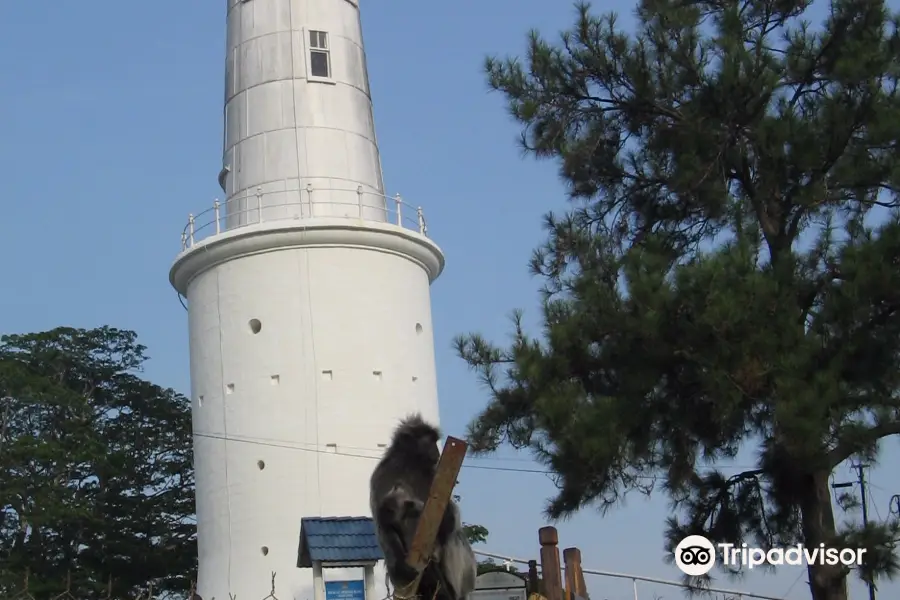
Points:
(309, 49)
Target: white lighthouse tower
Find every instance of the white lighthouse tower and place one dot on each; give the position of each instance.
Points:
(308, 299)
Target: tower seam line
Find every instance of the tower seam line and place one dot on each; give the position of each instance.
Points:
(224, 417)
(294, 104)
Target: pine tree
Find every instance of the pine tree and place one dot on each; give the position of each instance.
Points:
(728, 275)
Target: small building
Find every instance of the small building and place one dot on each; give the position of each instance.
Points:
(339, 542)
(499, 585)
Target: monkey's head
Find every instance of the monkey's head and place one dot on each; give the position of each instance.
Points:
(414, 437)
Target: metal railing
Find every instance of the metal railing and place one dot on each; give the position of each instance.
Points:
(726, 594)
(301, 203)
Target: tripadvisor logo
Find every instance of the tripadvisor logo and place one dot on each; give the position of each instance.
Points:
(695, 555)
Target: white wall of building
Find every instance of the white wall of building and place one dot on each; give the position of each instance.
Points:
(288, 420)
(287, 129)
(310, 323)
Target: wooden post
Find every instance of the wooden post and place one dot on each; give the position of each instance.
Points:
(534, 585)
(575, 586)
(441, 491)
(550, 573)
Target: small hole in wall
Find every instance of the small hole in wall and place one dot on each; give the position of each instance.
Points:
(414, 378)
(264, 550)
(229, 389)
(199, 400)
(376, 375)
(382, 445)
(275, 379)
(255, 325)
(261, 464)
(327, 375)
(418, 328)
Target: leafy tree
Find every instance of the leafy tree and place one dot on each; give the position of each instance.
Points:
(476, 534)
(96, 473)
(728, 276)
(489, 565)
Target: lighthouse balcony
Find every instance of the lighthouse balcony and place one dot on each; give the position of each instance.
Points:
(258, 206)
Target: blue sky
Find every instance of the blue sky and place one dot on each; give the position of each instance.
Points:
(110, 134)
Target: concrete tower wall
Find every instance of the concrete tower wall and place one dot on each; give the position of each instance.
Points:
(343, 350)
(310, 324)
(299, 131)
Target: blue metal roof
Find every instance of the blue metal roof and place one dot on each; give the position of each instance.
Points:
(337, 539)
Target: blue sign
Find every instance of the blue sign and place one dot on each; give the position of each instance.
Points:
(345, 590)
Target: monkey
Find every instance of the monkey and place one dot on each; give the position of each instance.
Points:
(399, 488)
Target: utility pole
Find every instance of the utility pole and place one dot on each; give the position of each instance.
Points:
(861, 480)
(860, 470)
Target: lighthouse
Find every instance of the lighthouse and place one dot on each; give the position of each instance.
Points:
(308, 297)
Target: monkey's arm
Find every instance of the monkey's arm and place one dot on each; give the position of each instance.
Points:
(394, 545)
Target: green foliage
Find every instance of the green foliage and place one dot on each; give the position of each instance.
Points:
(718, 283)
(476, 534)
(96, 474)
(489, 566)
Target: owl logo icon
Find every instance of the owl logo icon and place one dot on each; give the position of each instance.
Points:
(695, 555)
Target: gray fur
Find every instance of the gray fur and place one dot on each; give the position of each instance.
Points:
(399, 488)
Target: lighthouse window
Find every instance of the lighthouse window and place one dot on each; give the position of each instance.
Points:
(319, 59)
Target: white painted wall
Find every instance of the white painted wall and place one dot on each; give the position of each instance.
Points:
(286, 130)
(345, 348)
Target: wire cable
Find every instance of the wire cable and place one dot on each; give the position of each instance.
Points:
(796, 581)
(274, 444)
(877, 512)
(877, 487)
(297, 446)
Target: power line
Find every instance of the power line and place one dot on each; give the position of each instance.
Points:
(877, 512)
(319, 450)
(796, 581)
(877, 487)
(893, 501)
(480, 458)
(274, 444)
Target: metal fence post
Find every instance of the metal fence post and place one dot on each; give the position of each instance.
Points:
(423, 229)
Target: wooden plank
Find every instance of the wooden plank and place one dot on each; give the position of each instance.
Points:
(441, 491)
